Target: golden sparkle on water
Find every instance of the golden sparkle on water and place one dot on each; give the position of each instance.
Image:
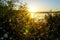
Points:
(37, 15)
(34, 15)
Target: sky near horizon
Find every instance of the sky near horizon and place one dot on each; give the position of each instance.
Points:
(44, 5)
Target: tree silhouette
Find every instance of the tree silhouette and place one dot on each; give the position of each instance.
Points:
(19, 25)
(54, 24)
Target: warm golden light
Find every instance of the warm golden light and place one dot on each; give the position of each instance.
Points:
(32, 9)
(37, 16)
(33, 15)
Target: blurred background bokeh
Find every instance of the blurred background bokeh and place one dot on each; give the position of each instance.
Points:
(18, 21)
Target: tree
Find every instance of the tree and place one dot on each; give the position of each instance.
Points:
(6, 14)
(54, 24)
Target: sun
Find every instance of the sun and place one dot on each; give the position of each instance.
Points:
(32, 9)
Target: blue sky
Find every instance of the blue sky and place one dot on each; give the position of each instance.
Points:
(44, 4)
